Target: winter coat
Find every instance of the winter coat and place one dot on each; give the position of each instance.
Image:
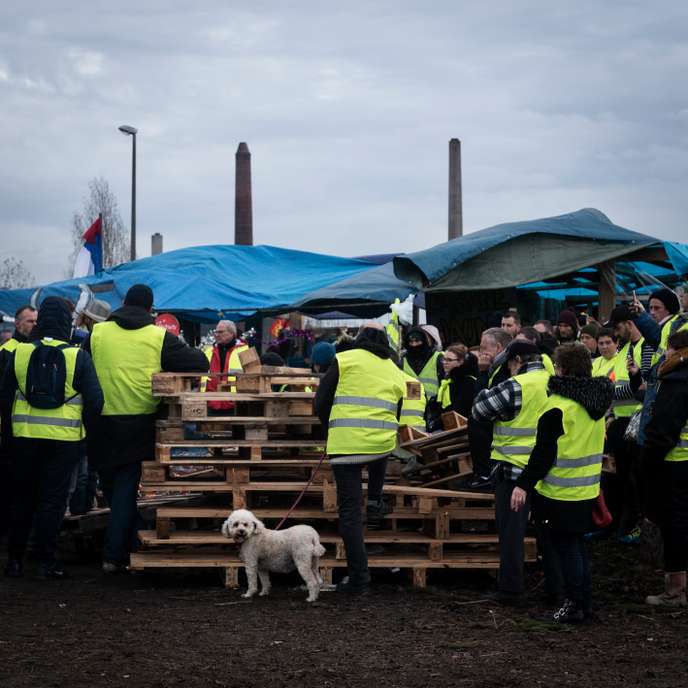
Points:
(462, 392)
(595, 395)
(125, 439)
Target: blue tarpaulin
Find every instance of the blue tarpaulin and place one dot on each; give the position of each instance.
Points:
(205, 281)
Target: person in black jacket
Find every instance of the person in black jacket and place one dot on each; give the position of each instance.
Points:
(123, 440)
(665, 462)
(45, 448)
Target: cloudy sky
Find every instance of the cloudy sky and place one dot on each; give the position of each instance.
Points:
(347, 109)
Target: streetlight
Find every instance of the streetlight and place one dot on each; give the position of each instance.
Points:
(131, 131)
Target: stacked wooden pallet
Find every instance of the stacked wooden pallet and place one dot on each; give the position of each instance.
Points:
(261, 455)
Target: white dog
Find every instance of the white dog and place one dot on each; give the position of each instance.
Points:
(264, 550)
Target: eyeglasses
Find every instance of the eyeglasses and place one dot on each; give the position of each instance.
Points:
(446, 359)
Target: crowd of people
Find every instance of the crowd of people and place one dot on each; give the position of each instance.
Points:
(545, 405)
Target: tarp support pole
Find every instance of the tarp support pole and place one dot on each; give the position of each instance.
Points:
(607, 289)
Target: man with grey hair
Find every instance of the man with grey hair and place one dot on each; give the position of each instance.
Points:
(223, 357)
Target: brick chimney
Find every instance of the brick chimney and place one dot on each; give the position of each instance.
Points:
(243, 210)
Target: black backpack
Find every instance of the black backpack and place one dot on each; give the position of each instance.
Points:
(46, 376)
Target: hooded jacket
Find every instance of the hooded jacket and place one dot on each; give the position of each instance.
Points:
(418, 356)
(125, 439)
(595, 395)
(55, 321)
(372, 340)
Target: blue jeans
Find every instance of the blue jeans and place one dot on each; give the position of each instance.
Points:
(120, 486)
(575, 569)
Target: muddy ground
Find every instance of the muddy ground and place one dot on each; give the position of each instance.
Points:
(176, 629)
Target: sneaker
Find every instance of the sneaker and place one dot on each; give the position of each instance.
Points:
(666, 599)
(632, 537)
(347, 587)
(113, 568)
(568, 613)
(14, 568)
(52, 571)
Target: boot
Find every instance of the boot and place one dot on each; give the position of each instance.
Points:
(674, 594)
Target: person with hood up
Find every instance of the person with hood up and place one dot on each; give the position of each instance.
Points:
(45, 438)
(563, 476)
(665, 463)
(359, 401)
(127, 350)
(567, 326)
(422, 361)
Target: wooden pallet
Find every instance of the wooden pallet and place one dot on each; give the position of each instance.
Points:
(252, 449)
(193, 406)
(228, 427)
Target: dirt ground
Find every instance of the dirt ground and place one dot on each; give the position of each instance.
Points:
(175, 629)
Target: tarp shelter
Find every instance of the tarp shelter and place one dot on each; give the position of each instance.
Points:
(206, 282)
(480, 272)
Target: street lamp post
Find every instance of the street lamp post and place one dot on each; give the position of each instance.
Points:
(131, 131)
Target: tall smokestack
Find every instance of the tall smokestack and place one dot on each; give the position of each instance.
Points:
(243, 212)
(455, 200)
(156, 244)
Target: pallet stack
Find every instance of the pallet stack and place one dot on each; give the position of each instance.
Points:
(260, 456)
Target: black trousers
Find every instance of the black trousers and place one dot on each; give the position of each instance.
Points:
(572, 561)
(350, 501)
(41, 474)
(674, 515)
(511, 527)
(622, 491)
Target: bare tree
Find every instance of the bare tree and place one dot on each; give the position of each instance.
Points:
(15, 275)
(101, 200)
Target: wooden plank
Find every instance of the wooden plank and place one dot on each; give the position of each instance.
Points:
(452, 421)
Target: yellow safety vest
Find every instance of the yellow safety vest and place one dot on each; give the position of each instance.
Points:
(575, 475)
(10, 345)
(664, 338)
(547, 362)
(413, 410)
(363, 419)
(625, 408)
(603, 367)
(63, 423)
(680, 451)
(513, 440)
(444, 393)
(125, 360)
(428, 376)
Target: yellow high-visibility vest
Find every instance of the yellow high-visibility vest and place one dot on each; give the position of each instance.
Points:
(680, 451)
(664, 337)
(513, 440)
(428, 376)
(603, 367)
(547, 362)
(575, 475)
(63, 423)
(413, 410)
(625, 408)
(125, 360)
(363, 419)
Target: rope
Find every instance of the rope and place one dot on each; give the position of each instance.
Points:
(303, 492)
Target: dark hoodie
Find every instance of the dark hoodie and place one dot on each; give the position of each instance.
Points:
(55, 321)
(595, 395)
(418, 356)
(128, 439)
(370, 339)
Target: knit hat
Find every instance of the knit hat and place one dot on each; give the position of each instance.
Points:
(54, 319)
(322, 353)
(569, 318)
(668, 298)
(139, 295)
(620, 314)
(520, 347)
(97, 310)
(591, 329)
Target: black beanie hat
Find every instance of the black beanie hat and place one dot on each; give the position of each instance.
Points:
(520, 347)
(54, 319)
(620, 314)
(569, 318)
(139, 295)
(668, 298)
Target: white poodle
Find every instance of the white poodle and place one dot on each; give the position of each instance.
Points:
(264, 550)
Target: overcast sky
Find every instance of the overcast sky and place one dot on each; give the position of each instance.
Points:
(347, 112)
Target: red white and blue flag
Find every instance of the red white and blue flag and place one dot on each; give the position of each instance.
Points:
(89, 260)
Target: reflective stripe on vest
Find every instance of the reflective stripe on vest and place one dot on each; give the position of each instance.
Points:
(513, 441)
(413, 410)
(428, 376)
(575, 475)
(125, 361)
(625, 408)
(63, 423)
(363, 419)
(680, 451)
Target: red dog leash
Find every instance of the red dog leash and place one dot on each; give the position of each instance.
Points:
(303, 492)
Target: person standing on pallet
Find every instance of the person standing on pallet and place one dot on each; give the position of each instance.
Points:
(514, 406)
(359, 400)
(127, 350)
(53, 392)
(223, 357)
